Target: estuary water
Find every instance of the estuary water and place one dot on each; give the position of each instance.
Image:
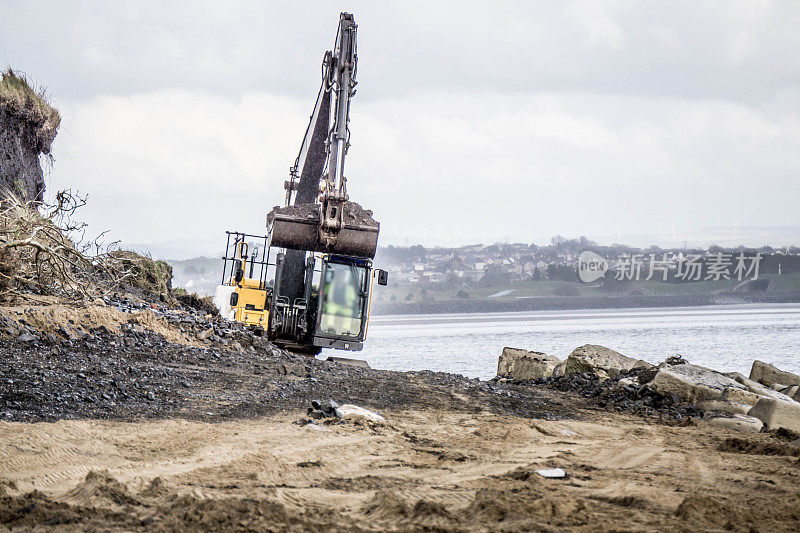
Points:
(723, 337)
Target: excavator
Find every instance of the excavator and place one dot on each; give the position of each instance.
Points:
(308, 282)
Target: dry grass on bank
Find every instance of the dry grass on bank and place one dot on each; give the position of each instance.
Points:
(19, 97)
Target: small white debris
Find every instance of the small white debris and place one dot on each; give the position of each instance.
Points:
(554, 473)
(354, 412)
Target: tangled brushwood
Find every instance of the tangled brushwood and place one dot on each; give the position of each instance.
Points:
(43, 251)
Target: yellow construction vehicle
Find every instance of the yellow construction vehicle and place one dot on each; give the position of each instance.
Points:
(311, 286)
(248, 294)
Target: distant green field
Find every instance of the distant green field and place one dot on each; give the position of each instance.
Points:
(542, 289)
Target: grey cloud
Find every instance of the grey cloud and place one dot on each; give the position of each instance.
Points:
(732, 50)
(534, 117)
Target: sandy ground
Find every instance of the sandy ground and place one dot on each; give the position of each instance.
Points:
(425, 470)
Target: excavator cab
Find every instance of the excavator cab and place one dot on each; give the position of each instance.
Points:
(342, 299)
(323, 304)
(327, 306)
(343, 307)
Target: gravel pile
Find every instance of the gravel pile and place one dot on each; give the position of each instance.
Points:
(230, 372)
(624, 393)
(134, 374)
(352, 213)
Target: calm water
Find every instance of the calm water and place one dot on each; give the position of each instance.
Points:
(725, 338)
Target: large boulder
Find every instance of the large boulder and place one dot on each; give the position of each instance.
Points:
(793, 392)
(356, 412)
(736, 422)
(723, 406)
(777, 414)
(730, 394)
(522, 365)
(692, 383)
(769, 375)
(757, 388)
(599, 360)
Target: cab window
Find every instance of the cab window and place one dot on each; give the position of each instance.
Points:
(342, 300)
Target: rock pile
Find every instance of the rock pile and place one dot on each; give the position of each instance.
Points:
(674, 389)
(522, 365)
(629, 391)
(320, 410)
(136, 373)
(193, 324)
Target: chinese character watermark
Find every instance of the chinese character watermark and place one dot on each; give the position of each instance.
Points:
(670, 266)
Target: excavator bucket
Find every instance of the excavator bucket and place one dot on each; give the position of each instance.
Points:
(298, 227)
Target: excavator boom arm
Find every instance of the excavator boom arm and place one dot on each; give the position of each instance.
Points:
(342, 81)
(329, 222)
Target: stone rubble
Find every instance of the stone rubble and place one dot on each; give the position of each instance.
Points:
(629, 392)
(520, 365)
(673, 390)
(599, 360)
(768, 375)
(777, 414)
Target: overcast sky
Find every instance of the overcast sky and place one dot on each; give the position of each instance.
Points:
(519, 120)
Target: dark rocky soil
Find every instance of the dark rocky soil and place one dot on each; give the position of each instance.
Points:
(234, 373)
(353, 213)
(617, 395)
(139, 374)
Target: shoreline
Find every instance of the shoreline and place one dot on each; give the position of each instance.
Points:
(555, 303)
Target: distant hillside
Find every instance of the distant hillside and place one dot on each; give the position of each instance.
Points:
(200, 275)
